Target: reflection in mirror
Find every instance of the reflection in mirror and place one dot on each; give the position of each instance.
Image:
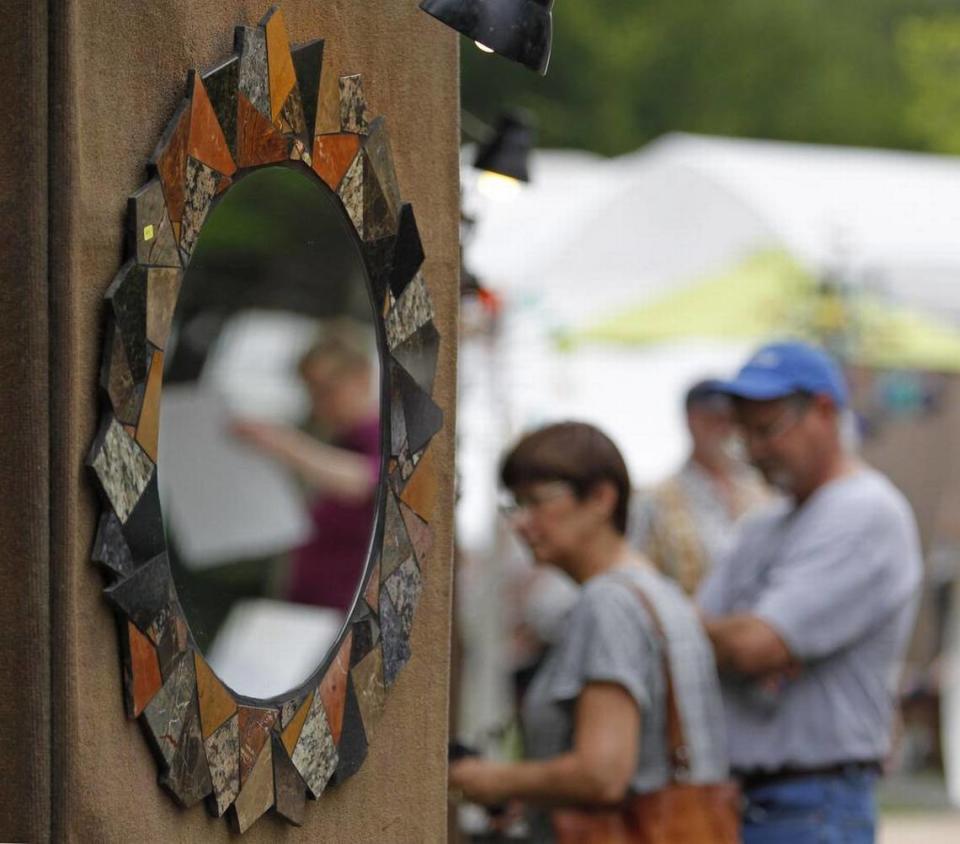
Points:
(270, 430)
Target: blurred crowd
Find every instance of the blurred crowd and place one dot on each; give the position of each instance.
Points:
(716, 658)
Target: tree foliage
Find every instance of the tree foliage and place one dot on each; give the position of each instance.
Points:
(929, 52)
(860, 72)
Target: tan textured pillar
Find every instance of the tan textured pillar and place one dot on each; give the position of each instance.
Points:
(73, 767)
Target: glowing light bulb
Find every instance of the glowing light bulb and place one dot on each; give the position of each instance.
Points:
(497, 186)
(483, 47)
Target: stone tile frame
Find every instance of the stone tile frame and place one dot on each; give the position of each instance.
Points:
(240, 755)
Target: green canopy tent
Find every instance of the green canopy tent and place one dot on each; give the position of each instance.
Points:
(767, 296)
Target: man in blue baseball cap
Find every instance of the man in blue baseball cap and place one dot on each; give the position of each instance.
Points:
(811, 610)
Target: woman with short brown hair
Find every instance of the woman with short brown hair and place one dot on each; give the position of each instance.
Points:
(596, 715)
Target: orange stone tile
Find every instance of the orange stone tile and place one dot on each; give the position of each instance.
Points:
(257, 140)
(148, 426)
(280, 70)
(333, 688)
(333, 155)
(328, 101)
(372, 593)
(207, 142)
(145, 680)
(216, 703)
(171, 163)
(257, 793)
(292, 732)
(420, 493)
(255, 725)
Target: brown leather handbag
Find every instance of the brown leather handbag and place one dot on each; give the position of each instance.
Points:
(679, 813)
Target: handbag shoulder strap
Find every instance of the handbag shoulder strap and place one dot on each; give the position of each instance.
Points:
(677, 753)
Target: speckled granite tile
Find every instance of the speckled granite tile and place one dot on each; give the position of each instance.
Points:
(315, 755)
(200, 188)
(353, 105)
(222, 747)
(254, 83)
(412, 309)
(351, 193)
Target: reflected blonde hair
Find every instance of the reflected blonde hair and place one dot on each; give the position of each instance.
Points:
(350, 345)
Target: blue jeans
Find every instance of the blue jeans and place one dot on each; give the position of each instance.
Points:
(834, 809)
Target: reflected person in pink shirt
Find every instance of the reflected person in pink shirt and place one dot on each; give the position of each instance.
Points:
(341, 471)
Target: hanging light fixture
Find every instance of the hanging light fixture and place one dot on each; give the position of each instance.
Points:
(504, 155)
(520, 30)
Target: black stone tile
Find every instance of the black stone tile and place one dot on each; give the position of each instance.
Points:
(400, 381)
(221, 84)
(408, 256)
(395, 478)
(127, 295)
(366, 634)
(418, 356)
(353, 738)
(422, 417)
(144, 595)
(188, 777)
(396, 640)
(149, 233)
(110, 549)
(116, 379)
(379, 219)
(143, 529)
(291, 116)
(378, 255)
(290, 791)
(376, 147)
(168, 632)
(308, 63)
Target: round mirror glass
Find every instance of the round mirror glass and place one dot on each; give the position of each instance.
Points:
(270, 449)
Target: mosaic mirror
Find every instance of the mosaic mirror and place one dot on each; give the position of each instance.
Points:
(264, 454)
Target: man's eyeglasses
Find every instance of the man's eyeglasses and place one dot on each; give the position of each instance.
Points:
(513, 506)
(791, 415)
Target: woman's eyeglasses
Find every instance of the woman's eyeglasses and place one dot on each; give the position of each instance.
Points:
(513, 506)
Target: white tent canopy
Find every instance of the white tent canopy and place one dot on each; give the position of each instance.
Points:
(591, 233)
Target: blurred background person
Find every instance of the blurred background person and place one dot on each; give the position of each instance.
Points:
(337, 457)
(595, 716)
(811, 612)
(686, 523)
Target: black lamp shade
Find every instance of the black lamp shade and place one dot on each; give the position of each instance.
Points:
(509, 148)
(520, 30)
